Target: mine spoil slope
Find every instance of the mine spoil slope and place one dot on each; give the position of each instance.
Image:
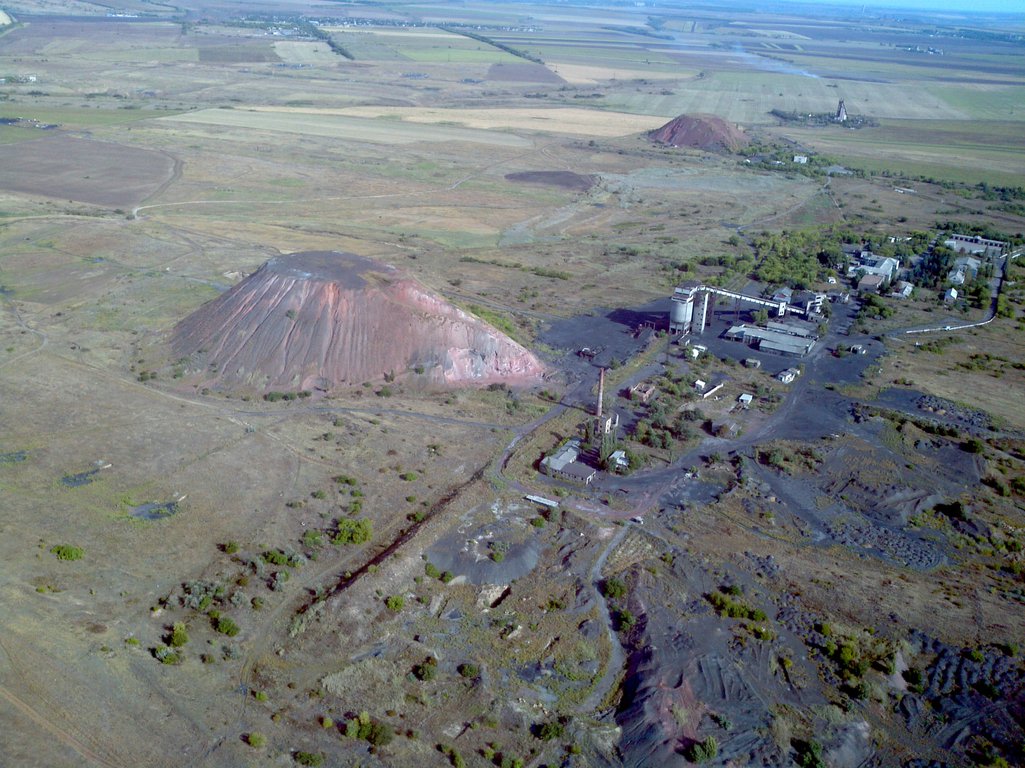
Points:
(321, 319)
(707, 132)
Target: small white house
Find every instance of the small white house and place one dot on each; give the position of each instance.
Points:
(950, 296)
(619, 461)
(745, 399)
(788, 375)
(801, 159)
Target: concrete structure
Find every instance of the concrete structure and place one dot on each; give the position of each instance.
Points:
(619, 461)
(643, 392)
(810, 301)
(752, 362)
(696, 350)
(841, 113)
(542, 501)
(712, 390)
(975, 245)
(950, 296)
(766, 340)
(788, 375)
(608, 423)
(745, 399)
(801, 159)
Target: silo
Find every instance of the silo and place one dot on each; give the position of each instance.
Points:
(681, 311)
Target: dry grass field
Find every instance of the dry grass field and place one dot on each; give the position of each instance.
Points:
(560, 120)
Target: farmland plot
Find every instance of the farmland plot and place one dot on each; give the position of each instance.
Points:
(560, 120)
(380, 131)
(297, 52)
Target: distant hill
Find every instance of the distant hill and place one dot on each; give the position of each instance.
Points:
(707, 132)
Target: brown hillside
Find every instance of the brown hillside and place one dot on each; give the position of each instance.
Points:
(707, 132)
(324, 319)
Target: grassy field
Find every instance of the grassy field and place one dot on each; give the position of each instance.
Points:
(556, 120)
(748, 98)
(295, 52)
(376, 131)
(914, 148)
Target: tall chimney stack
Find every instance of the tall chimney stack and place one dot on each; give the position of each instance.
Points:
(601, 392)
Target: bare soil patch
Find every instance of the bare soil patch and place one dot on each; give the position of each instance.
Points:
(562, 179)
(522, 73)
(237, 52)
(88, 171)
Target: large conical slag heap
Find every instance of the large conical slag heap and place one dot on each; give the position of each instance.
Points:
(707, 132)
(322, 319)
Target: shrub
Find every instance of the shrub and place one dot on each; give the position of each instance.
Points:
(549, 731)
(469, 670)
(431, 570)
(227, 627)
(179, 635)
(363, 727)
(426, 670)
(395, 603)
(703, 751)
(408, 476)
(230, 547)
(256, 740)
(66, 552)
(309, 758)
(613, 588)
(446, 577)
(166, 655)
(809, 754)
(354, 531)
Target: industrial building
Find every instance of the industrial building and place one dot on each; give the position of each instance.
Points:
(563, 464)
(975, 245)
(774, 341)
(689, 310)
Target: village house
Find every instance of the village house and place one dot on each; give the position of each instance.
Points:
(870, 284)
